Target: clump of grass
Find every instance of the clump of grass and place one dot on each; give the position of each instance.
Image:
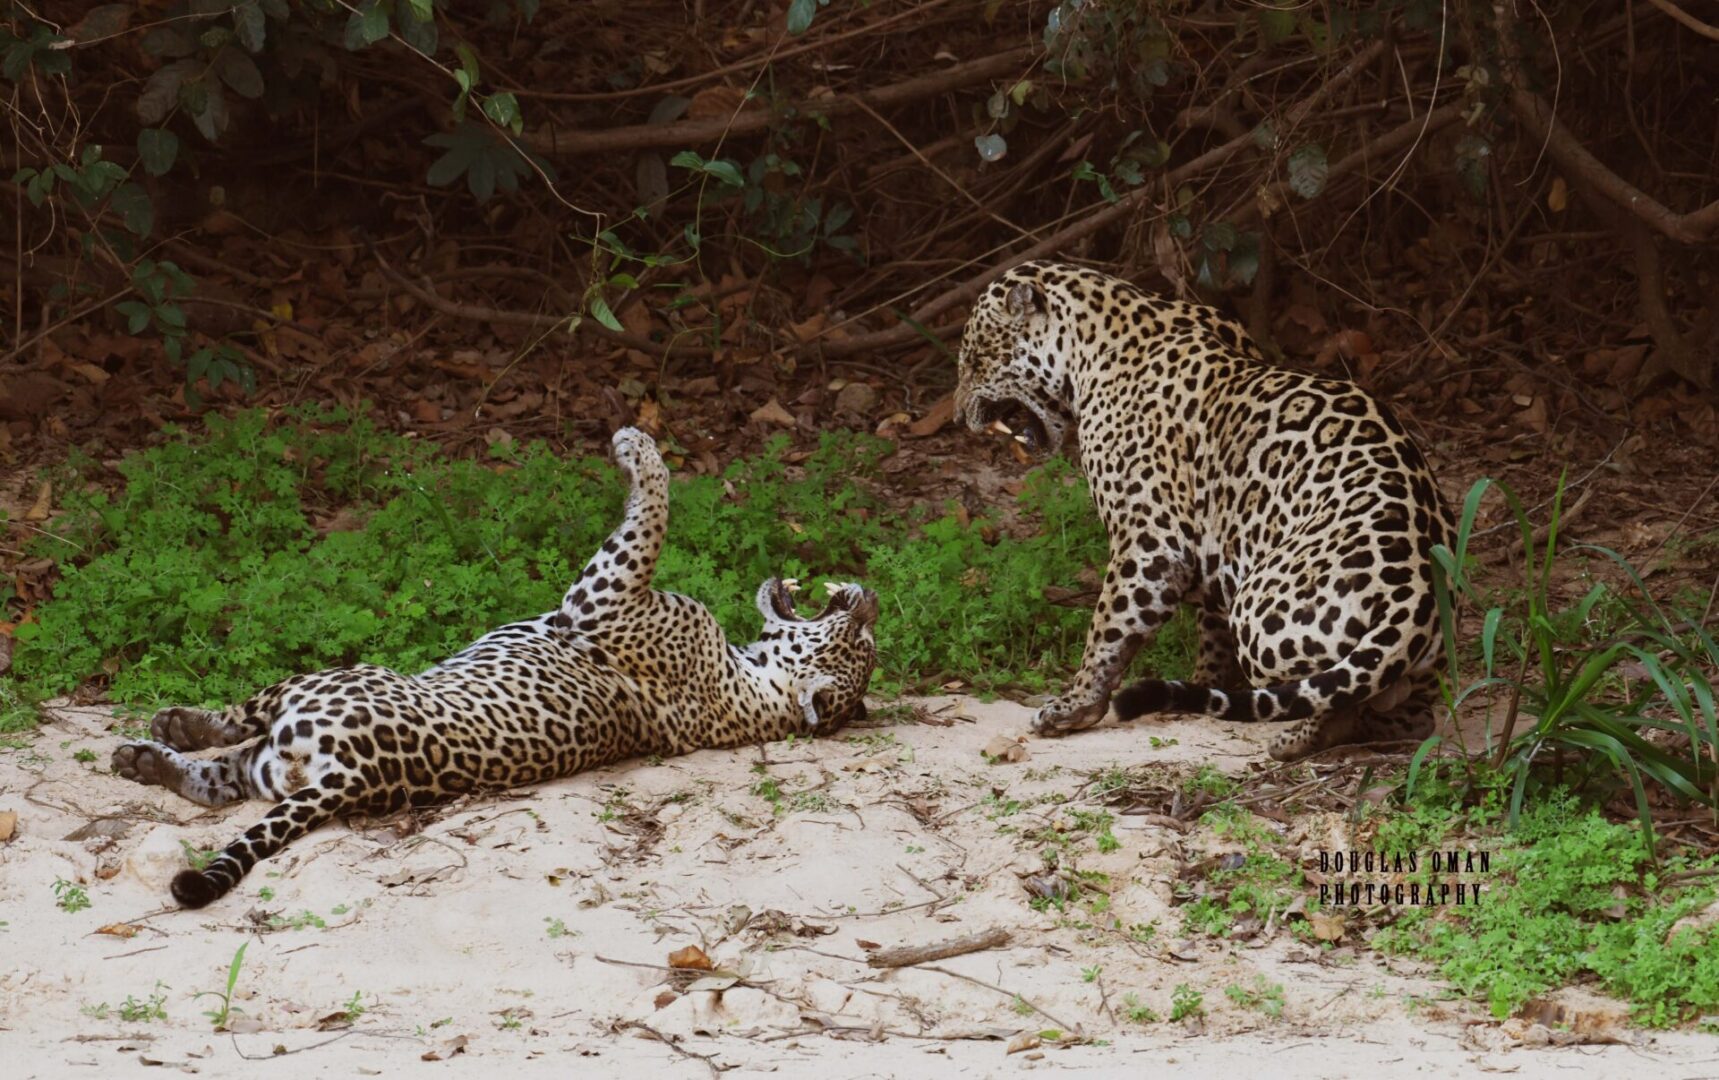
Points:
(1577, 705)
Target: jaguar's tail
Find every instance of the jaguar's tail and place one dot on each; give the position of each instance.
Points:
(305, 809)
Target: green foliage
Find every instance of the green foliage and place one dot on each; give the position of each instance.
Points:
(1185, 1001)
(1264, 996)
(1578, 895)
(1253, 882)
(70, 898)
(1587, 703)
(133, 1011)
(230, 561)
(218, 1017)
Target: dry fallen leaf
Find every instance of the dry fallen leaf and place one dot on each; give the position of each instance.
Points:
(772, 412)
(692, 957)
(1026, 1040)
(44, 503)
(455, 1045)
(8, 825)
(940, 413)
(1004, 749)
(119, 930)
(1326, 926)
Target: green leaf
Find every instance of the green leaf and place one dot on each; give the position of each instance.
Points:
(688, 159)
(161, 92)
(1308, 170)
(240, 72)
(800, 15)
(1219, 236)
(600, 311)
(168, 41)
(1275, 25)
(211, 119)
(136, 313)
(503, 108)
(366, 26)
(423, 9)
(171, 315)
(480, 176)
(418, 29)
(249, 26)
(725, 171)
(157, 148)
(134, 208)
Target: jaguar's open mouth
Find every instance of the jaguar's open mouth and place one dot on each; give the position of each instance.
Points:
(1016, 419)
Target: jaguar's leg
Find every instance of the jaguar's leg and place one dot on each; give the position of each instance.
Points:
(1131, 608)
(215, 782)
(620, 572)
(1216, 664)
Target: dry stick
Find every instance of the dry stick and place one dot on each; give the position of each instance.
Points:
(968, 290)
(531, 318)
(685, 133)
(1005, 993)
(760, 60)
(909, 955)
(1686, 19)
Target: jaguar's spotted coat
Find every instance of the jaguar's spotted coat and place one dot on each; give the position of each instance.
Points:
(1294, 510)
(619, 670)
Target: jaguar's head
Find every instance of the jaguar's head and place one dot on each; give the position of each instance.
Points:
(827, 659)
(1013, 368)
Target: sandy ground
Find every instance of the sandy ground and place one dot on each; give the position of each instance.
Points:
(532, 932)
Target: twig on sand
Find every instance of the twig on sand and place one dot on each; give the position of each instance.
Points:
(909, 955)
(1006, 993)
(708, 1059)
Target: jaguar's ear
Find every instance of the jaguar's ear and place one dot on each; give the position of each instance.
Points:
(808, 694)
(1023, 301)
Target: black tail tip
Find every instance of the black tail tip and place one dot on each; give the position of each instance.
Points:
(1143, 698)
(195, 889)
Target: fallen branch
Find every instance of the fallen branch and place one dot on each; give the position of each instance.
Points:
(968, 291)
(909, 955)
(1695, 227)
(1704, 29)
(686, 133)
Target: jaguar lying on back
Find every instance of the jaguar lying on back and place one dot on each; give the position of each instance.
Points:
(1293, 510)
(618, 670)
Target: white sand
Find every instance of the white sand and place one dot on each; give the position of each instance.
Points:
(446, 934)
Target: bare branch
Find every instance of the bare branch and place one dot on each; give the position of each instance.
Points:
(1691, 228)
(554, 143)
(1686, 19)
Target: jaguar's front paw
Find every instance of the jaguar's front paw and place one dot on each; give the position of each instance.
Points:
(1063, 715)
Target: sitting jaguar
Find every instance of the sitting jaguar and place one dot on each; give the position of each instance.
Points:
(1293, 510)
(618, 670)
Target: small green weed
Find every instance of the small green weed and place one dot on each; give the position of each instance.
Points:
(134, 1011)
(199, 858)
(558, 929)
(1265, 996)
(219, 1017)
(1185, 1001)
(70, 898)
(304, 920)
(1137, 1011)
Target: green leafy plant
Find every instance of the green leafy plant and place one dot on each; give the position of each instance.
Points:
(205, 576)
(1185, 1001)
(218, 1017)
(1264, 996)
(69, 897)
(1578, 709)
(132, 1011)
